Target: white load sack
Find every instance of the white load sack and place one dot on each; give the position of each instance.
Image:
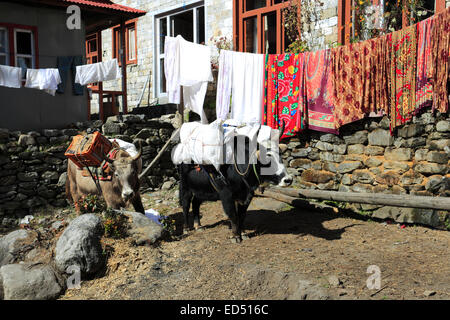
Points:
(204, 144)
(128, 147)
(199, 143)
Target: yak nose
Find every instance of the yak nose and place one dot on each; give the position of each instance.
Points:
(287, 180)
(127, 194)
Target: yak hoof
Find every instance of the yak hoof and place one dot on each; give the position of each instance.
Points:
(236, 239)
(199, 228)
(245, 237)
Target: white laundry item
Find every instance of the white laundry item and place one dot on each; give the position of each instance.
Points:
(200, 143)
(97, 72)
(187, 64)
(43, 79)
(195, 62)
(10, 77)
(171, 69)
(242, 77)
(247, 87)
(224, 84)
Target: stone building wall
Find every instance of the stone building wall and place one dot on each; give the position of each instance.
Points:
(322, 31)
(218, 20)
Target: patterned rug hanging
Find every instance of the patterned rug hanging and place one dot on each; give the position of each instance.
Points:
(319, 91)
(402, 46)
(284, 99)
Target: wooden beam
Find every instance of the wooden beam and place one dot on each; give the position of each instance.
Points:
(406, 201)
(175, 135)
(124, 67)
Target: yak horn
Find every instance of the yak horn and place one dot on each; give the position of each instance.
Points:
(139, 153)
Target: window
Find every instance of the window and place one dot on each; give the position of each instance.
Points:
(93, 47)
(259, 26)
(4, 46)
(18, 46)
(130, 42)
(188, 22)
(368, 18)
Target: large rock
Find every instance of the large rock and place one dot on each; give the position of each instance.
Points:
(349, 166)
(443, 126)
(400, 154)
(26, 140)
(317, 176)
(80, 245)
(14, 243)
(380, 137)
(142, 229)
(408, 215)
(411, 130)
(359, 137)
(28, 282)
(431, 168)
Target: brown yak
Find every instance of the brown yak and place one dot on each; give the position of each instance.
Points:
(119, 191)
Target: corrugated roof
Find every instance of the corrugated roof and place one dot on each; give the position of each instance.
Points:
(107, 4)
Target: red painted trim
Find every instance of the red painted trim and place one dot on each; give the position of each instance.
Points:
(10, 27)
(115, 36)
(239, 30)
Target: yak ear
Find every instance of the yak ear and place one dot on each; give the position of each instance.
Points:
(258, 152)
(283, 147)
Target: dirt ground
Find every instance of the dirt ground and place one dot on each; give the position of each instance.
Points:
(291, 254)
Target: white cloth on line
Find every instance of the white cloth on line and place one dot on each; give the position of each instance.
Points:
(187, 64)
(244, 81)
(224, 85)
(10, 77)
(43, 79)
(98, 72)
(171, 69)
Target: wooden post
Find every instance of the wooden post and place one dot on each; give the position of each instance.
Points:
(124, 67)
(406, 200)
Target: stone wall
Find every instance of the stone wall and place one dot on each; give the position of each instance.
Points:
(322, 31)
(33, 166)
(365, 157)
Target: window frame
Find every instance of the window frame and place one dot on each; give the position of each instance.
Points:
(241, 15)
(158, 56)
(130, 24)
(91, 54)
(5, 54)
(11, 53)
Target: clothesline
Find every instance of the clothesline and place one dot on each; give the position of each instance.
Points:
(52, 79)
(396, 75)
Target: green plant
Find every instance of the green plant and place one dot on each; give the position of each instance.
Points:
(168, 224)
(91, 203)
(221, 43)
(115, 224)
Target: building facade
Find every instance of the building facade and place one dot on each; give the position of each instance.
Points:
(250, 25)
(197, 21)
